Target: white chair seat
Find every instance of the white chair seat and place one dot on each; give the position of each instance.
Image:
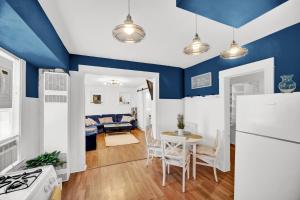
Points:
(177, 152)
(206, 150)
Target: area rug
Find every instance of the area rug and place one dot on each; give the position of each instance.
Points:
(120, 139)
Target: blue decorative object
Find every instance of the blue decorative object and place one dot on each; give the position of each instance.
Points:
(287, 85)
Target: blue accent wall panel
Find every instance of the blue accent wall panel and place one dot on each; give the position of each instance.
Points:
(231, 12)
(26, 31)
(32, 80)
(282, 45)
(170, 78)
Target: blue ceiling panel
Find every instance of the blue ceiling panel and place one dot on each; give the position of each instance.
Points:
(234, 13)
(26, 32)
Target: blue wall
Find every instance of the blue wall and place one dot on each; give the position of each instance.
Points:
(170, 79)
(284, 46)
(32, 80)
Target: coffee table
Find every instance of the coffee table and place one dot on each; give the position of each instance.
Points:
(117, 127)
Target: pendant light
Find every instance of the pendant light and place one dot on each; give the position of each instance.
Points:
(197, 46)
(235, 50)
(128, 32)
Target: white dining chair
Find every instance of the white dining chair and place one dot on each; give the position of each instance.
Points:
(208, 155)
(154, 148)
(176, 153)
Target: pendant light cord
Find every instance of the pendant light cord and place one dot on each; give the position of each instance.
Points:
(196, 25)
(129, 7)
(233, 36)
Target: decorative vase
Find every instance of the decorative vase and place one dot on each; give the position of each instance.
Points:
(287, 85)
(180, 131)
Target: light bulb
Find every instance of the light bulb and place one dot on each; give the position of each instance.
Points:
(128, 29)
(234, 50)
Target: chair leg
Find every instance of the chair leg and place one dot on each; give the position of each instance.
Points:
(164, 173)
(188, 170)
(168, 169)
(215, 171)
(183, 179)
(148, 156)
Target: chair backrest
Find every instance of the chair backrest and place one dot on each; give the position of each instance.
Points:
(174, 147)
(148, 134)
(218, 141)
(191, 127)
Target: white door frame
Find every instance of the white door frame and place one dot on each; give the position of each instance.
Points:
(267, 67)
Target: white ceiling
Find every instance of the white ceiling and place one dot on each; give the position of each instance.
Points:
(85, 28)
(132, 82)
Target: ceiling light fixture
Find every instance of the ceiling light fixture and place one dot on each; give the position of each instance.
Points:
(235, 50)
(113, 83)
(128, 32)
(197, 46)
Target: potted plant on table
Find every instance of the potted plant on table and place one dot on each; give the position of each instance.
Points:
(180, 124)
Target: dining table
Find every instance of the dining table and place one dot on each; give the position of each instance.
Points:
(192, 139)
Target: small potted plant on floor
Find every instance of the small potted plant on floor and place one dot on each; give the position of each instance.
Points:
(180, 124)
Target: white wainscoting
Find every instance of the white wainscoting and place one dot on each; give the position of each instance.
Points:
(208, 114)
(168, 109)
(30, 138)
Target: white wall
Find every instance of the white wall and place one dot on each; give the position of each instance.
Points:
(208, 114)
(30, 140)
(77, 131)
(168, 109)
(110, 98)
(30, 128)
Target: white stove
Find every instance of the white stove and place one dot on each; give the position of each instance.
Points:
(30, 184)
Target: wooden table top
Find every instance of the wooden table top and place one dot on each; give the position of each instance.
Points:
(186, 134)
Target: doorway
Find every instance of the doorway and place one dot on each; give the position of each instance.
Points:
(260, 72)
(249, 84)
(114, 93)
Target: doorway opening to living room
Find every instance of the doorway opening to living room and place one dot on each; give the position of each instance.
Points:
(118, 106)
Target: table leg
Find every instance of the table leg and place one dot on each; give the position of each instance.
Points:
(194, 161)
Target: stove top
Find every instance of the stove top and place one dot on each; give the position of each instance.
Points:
(16, 182)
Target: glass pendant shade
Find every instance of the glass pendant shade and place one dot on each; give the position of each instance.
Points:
(128, 32)
(235, 51)
(196, 47)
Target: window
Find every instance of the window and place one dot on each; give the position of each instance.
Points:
(10, 92)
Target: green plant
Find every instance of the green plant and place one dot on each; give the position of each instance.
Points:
(180, 121)
(45, 159)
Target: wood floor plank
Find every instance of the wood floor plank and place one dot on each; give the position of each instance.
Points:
(134, 180)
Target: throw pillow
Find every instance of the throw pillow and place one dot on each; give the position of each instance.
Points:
(89, 122)
(105, 120)
(126, 118)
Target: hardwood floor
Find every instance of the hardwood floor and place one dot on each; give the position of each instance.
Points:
(134, 180)
(104, 156)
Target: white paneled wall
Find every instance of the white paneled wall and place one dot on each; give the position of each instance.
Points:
(168, 109)
(208, 114)
(30, 137)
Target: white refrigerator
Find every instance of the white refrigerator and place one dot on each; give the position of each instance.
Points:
(267, 158)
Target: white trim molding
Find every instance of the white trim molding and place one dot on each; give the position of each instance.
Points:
(267, 67)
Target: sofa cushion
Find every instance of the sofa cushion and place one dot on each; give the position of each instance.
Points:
(126, 118)
(120, 116)
(106, 120)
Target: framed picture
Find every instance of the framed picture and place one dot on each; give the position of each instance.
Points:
(125, 98)
(96, 99)
(5, 87)
(201, 81)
